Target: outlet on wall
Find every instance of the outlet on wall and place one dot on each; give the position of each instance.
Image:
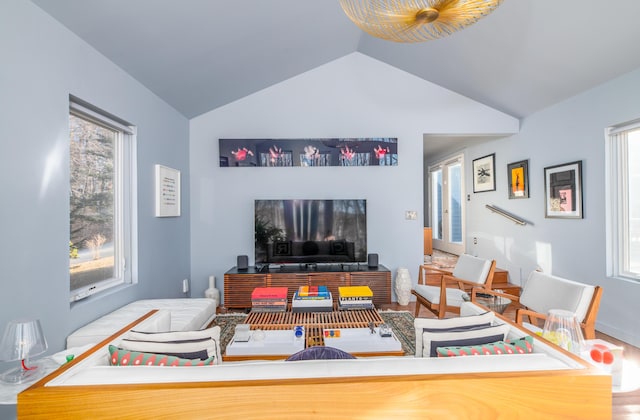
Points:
(185, 286)
(410, 215)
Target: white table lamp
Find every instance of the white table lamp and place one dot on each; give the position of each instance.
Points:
(22, 339)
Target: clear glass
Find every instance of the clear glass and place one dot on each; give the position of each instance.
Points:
(563, 330)
(455, 203)
(436, 203)
(91, 246)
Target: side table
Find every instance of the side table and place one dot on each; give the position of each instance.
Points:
(9, 392)
(625, 376)
(497, 304)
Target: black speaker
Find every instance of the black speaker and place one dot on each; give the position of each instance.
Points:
(243, 262)
(372, 260)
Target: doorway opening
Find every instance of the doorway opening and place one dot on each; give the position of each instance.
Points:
(446, 209)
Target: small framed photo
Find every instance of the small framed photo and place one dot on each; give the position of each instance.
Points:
(563, 191)
(167, 191)
(518, 175)
(484, 176)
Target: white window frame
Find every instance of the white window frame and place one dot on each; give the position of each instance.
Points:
(125, 199)
(617, 203)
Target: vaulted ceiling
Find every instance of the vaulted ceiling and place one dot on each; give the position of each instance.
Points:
(201, 54)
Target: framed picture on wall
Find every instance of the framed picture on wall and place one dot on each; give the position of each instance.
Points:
(484, 175)
(518, 175)
(563, 191)
(167, 191)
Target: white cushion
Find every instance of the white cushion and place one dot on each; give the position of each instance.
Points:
(456, 338)
(472, 268)
(471, 308)
(543, 292)
(186, 313)
(182, 342)
(421, 323)
(108, 325)
(432, 294)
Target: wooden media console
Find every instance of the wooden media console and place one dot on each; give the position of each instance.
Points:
(238, 284)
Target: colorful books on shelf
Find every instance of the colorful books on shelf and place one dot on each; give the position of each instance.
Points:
(269, 299)
(312, 299)
(355, 298)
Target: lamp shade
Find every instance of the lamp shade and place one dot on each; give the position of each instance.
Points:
(22, 338)
(415, 20)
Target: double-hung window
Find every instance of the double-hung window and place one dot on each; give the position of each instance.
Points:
(623, 200)
(102, 200)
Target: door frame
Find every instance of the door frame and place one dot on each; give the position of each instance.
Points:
(445, 244)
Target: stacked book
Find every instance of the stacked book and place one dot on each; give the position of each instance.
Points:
(355, 298)
(312, 299)
(269, 299)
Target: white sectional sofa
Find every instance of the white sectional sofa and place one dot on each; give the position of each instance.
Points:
(549, 382)
(179, 315)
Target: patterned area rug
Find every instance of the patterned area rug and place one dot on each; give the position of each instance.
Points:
(227, 323)
(401, 322)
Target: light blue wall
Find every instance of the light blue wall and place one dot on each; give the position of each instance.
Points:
(354, 96)
(42, 63)
(569, 131)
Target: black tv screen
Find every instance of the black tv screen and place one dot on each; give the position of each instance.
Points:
(310, 231)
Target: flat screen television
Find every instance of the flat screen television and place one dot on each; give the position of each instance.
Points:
(310, 231)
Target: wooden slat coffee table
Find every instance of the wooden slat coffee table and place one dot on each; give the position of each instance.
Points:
(333, 319)
(314, 323)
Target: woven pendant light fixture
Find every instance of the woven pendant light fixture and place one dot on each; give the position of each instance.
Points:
(415, 20)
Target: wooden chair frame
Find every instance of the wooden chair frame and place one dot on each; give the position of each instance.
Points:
(440, 309)
(588, 324)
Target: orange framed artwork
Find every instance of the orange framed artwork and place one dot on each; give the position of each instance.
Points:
(518, 173)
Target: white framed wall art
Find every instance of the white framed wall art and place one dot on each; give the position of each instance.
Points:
(167, 191)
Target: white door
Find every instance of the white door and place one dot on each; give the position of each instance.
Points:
(446, 182)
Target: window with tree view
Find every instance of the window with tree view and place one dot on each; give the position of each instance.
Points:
(100, 201)
(623, 149)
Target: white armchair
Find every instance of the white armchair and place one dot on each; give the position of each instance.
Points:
(449, 295)
(543, 292)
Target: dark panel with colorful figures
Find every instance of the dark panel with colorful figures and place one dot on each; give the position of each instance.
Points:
(371, 151)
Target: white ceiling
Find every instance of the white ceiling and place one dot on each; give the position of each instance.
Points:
(201, 54)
